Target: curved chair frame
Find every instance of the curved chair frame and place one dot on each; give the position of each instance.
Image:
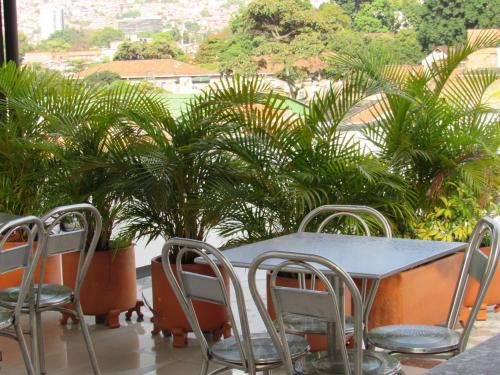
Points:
(326, 305)
(22, 257)
(477, 265)
(346, 210)
(354, 211)
(68, 242)
(481, 268)
(217, 289)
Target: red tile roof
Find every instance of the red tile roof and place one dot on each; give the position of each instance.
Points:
(149, 68)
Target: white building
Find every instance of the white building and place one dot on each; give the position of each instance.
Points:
(51, 20)
(175, 76)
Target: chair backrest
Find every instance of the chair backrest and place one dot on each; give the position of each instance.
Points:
(359, 213)
(67, 229)
(22, 255)
(480, 267)
(189, 287)
(324, 305)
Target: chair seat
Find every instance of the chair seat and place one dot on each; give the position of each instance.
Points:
(374, 363)
(302, 325)
(52, 295)
(263, 349)
(420, 339)
(6, 319)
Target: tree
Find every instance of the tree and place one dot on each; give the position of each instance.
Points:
(76, 65)
(281, 33)
(161, 47)
(377, 16)
(351, 6)
(277, 20)
(103, 77)
(24, 45)
(444, 22)
(103, 37)
(403, 47)
(65, 40)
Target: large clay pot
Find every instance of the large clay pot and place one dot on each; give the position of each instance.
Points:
(52, 274)
(421, 295)
(492, 297)
(168, 315)
(110, 286)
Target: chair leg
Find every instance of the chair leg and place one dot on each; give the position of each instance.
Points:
(204, 368)
(40, 343)
(88, 340)
(34, 331)
(267, 372)
(24, 349)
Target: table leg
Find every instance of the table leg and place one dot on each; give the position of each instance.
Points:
(368, 305)
(332, 334)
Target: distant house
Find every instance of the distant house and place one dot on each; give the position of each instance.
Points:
(62, 60)
(172, 75)
(439, 53)
(483, 59)
(269, 69)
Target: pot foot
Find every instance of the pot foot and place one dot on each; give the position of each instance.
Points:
(224, 331)
(179, 338)
(137, 309)
(68, 316)
(464, 314)
(113, 319)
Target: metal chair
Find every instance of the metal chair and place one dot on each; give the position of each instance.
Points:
(361, 214)
(445, 341)
(66, 229)
(320, 305)
(21, 256)
(243, 351)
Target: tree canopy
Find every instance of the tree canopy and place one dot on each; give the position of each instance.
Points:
(103, 37)
(444, 22)
(162, 46)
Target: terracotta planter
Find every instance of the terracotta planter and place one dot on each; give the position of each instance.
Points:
(492, 297)
(168, 315)
(421, 295)
(53, 272)
(110, 286)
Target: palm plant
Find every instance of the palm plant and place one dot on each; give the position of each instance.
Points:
(438, 130)
(173, 170)
(25, 153)
(288, 164)
(62, 129)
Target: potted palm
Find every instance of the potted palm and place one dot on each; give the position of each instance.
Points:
(178, 169)
(173, 174)
(92, 126)
(24, 155)
(436, 132)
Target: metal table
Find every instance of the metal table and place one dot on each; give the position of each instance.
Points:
(483, 359)
(369, 258)
(6, 217)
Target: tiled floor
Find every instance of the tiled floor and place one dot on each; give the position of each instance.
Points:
(131, 350)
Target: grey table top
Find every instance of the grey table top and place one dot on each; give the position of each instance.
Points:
(360, 256)
(483, 359)
(6, 217)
